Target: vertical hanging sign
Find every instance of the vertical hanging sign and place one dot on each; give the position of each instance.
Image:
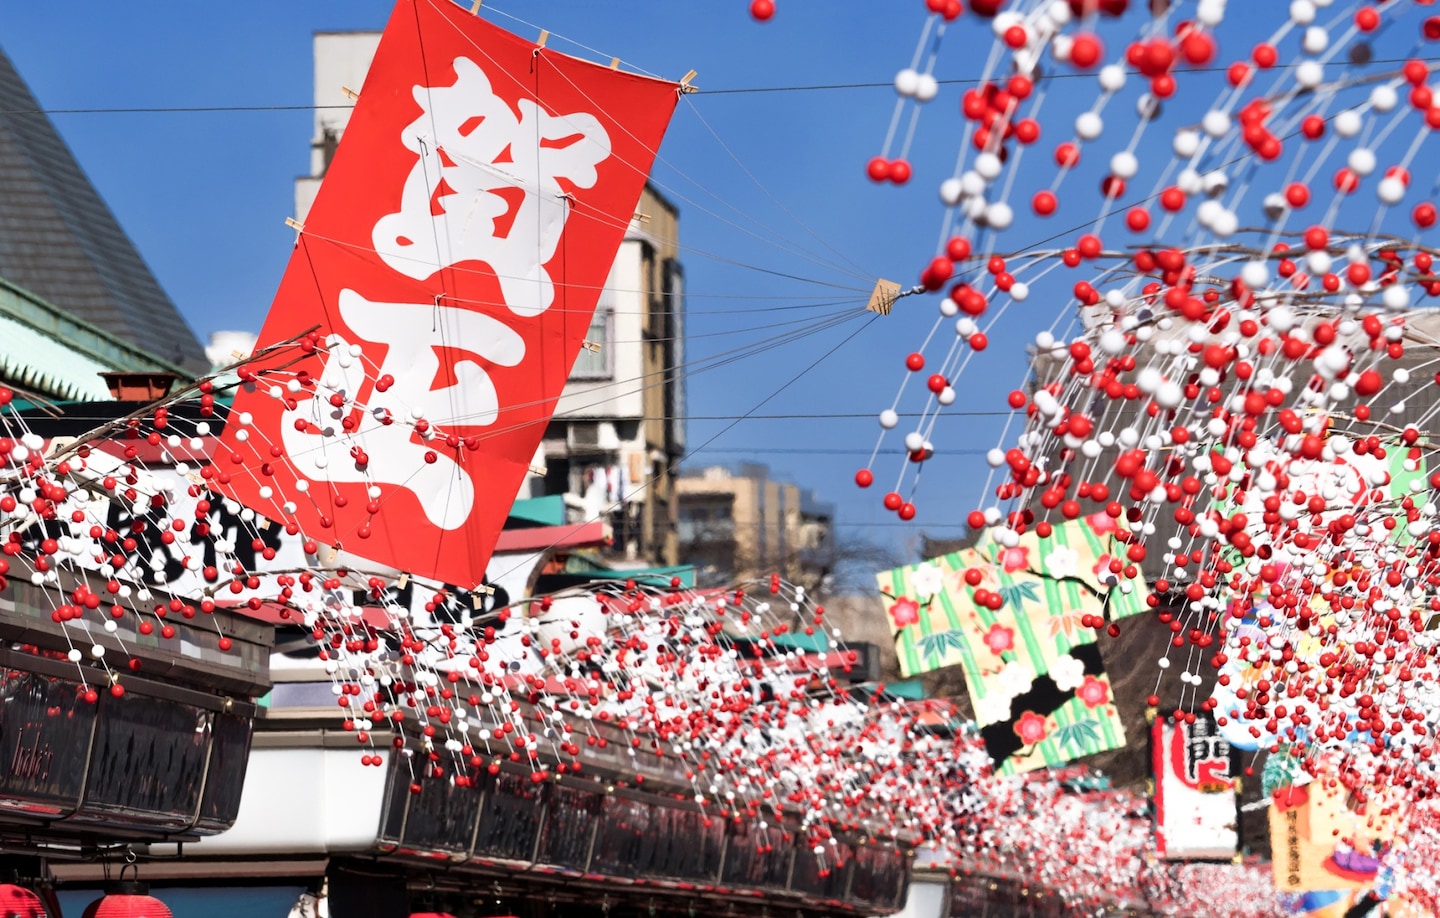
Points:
(1195, 804)
(439, 292)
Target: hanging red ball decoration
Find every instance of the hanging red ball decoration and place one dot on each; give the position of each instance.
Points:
(762, 10)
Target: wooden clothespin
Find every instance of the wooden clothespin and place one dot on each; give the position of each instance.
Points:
(350, 94)
(544, 37)
(405, 578)
(883, 297)
(685, 82)
(485, 588)
(294, 224)
(334, 553)
(614, 63)
(540, 470)
(640, 218)
(264, 524)
(591, 346)
(475, 7)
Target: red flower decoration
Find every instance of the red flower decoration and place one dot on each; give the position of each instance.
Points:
(1000, 639)
(906, 611)
(1030, 728)
(1093, 692)
(1102, 523)
(1014, 559)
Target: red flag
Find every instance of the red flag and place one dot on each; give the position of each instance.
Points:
(452, 261)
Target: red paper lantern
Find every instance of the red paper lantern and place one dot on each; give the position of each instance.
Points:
(127, 899)
(19, 902)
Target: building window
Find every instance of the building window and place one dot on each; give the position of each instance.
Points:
(592, 364)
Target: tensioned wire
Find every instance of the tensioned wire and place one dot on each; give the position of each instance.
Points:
(764, 234)
(732, 91)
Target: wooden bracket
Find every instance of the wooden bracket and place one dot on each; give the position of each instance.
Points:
(883, 297)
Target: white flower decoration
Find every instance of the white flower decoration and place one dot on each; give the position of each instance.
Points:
(926, 580)
(992, 709)
(1067, 672)
(1016, 678)
(1062, 561)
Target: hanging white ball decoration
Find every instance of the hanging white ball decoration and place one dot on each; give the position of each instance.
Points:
(1347, 123)
(1124, 165)
(926, 88)
(1390, 191)
(1089, 126)
(950, 192)
(999, 215)
(1186, 144)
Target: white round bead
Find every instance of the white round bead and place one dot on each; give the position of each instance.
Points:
(1124, 165)
(906, 82)
(1089, 126)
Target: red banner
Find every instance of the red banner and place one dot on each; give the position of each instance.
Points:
(452, 261)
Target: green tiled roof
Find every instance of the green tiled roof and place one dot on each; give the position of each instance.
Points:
(54, 354)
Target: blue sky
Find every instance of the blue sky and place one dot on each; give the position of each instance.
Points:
(205, 194)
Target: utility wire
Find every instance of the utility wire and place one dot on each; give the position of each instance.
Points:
(833, 451)
(739, 90)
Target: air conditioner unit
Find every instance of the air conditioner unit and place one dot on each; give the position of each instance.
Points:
(594, 436)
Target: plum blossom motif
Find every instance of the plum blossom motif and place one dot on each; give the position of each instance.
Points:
(1067, 673)
(1000, 639)
(1093, 692)
(926, 580)
(1031, 728)
(1014, 559)
(1062, 561)
(994, 708)
(1102, 524)
(905, 611)
(1016, 678)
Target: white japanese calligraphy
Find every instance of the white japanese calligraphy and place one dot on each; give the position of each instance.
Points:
(486, 186)
(393, 453)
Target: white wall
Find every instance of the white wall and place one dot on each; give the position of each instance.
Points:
(927, 899)
(622, 396)
(303, 801)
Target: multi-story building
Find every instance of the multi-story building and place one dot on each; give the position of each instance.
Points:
(741, 525)
(614, 447)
